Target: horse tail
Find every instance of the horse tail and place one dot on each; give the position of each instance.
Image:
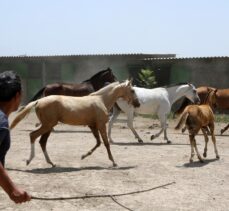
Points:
(21, 115)
(182, 120)
(38, 94)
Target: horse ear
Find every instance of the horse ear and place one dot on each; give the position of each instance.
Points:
(131, 81)
(127, 82)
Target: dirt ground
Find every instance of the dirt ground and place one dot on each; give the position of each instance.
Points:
(196, 186)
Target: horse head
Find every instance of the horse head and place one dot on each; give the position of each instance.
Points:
(191, 94)
(129, 94)
(211, 99)
(102, 78)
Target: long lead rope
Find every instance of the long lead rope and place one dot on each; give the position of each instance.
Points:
(100, 195)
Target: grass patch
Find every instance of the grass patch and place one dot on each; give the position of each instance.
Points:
(222, 118)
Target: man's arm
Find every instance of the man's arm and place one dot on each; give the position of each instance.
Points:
(15, 194)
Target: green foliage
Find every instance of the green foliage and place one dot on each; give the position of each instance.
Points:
(146, 78)
(222, 118)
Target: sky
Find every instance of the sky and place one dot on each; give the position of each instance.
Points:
(187, 28)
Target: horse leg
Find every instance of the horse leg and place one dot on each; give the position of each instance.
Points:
(224, 129)
(162, 118)
(33, 136)
(183, 129)
(130, 119)
(206, 142)
(157, 134)
(43, 142)
(98, 142)
(103, 133)
(207, 130)
(211, 126)
(197, 152)
(191, 137)
(112, 119)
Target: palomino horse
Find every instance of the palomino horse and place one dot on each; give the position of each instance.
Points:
(91, 110)
(198, 117)
(157, 100)
(88, 86)
(220, 101)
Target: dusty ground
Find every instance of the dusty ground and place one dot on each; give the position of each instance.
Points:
(140, 166)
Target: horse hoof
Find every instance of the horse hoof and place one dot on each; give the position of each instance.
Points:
(201, 160)
(169, 142)
(205, 155)
(27, 162)
(217, 157)
(191, 160)
(221, 132)
(140, 141)
(82, 157)
(152, 137)
(115, 165)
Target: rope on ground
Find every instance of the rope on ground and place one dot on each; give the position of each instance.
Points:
(121, 205)
(101, 195)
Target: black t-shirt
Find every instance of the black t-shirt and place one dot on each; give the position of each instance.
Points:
(4, 137)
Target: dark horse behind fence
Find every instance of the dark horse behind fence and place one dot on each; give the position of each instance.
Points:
(84, 88)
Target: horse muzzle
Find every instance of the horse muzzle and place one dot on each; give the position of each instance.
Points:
(197, 100)
(136, 103)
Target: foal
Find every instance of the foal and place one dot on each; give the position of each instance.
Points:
(92, 110)
(197, 117)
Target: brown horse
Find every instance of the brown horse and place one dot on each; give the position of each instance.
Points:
(220, 101)
(92, 110)
(198, 117)
(203, 93)
(88, 86)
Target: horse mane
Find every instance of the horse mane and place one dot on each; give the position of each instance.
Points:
(104, 89)
(97, 74)
(177, 84)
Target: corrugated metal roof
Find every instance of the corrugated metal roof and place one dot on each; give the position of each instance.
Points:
(187, 58)
(64, 57)
(91, 55)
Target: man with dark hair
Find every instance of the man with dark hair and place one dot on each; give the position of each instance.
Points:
(10, 97)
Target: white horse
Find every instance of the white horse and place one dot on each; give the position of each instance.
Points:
(153, 101)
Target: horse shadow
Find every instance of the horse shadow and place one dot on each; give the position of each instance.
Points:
(198, 164)
(146, 144)
(63, 131)
(59, 169)
(222, 135)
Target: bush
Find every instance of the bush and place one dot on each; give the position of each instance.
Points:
(146, 78)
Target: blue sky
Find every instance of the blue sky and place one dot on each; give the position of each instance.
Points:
(61, 27)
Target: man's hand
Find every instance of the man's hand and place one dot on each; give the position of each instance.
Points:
(19, 196)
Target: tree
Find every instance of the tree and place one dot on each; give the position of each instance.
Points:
(146, 78)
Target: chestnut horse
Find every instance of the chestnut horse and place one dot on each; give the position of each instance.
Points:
(92, 110)
(88, 86)
(198, 117)
(220, 101)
